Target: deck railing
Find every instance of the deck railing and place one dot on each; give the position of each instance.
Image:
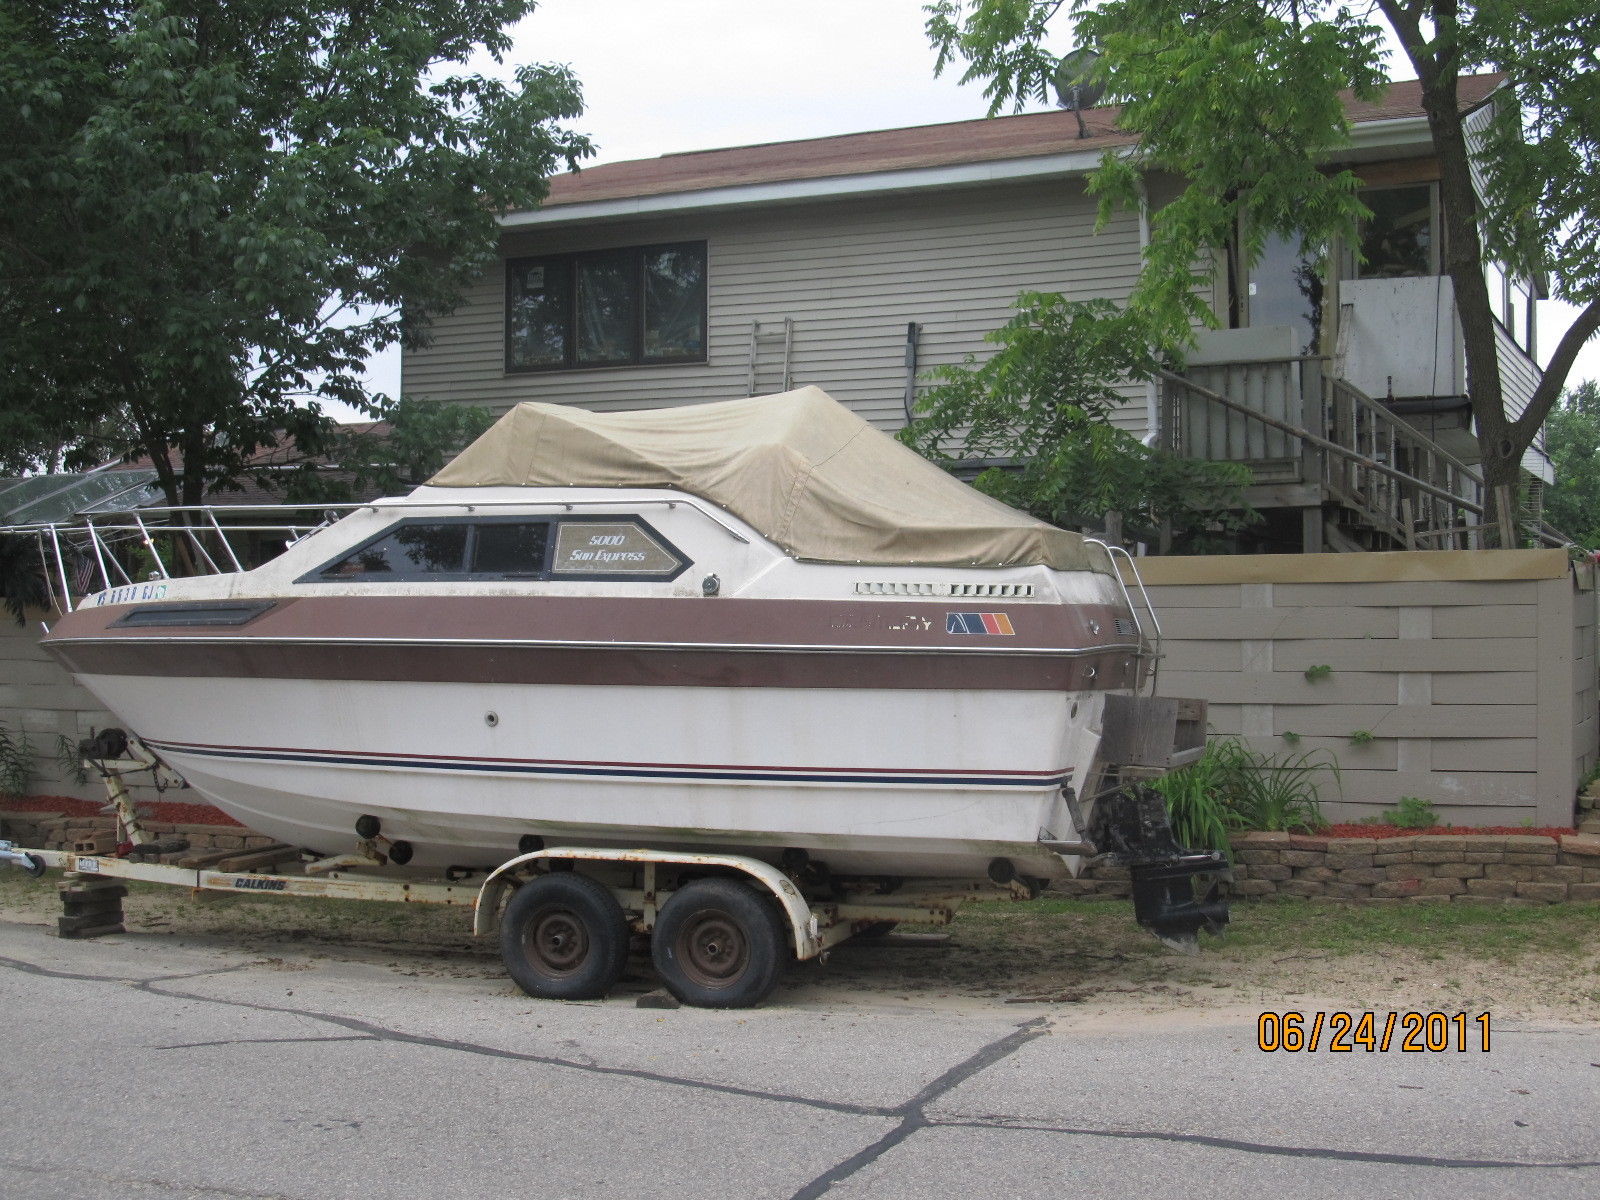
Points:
(1293, 424)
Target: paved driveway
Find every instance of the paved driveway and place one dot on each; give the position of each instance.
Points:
(148, 1066)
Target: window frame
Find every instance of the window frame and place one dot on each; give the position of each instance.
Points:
(568, 263)
(544, 574)
(1351, 268)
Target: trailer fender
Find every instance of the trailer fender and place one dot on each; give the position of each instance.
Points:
(803, 925)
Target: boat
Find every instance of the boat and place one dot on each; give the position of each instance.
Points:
(758, 626)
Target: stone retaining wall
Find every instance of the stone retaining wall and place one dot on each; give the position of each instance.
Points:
(1513, 869)
(98, 835)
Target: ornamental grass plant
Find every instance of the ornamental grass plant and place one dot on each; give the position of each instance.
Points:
(1233, 788)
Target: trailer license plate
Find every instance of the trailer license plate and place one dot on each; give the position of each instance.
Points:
(87, 866)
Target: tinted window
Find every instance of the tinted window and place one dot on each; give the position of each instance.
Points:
(538, 308)
(675, 302)
(408, 551)
(634, 304)
(510, 548)
(607, 312)
(1397, 240)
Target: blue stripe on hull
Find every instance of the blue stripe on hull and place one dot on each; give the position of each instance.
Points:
(620, 770)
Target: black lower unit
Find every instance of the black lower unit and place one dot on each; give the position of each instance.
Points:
(1131, 828)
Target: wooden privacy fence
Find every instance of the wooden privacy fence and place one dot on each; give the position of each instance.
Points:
(1466, 678)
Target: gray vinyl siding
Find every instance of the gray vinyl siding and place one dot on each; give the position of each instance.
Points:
(851, 274)
(1519, 378)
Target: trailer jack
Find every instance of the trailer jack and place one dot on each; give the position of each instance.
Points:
(31, 863)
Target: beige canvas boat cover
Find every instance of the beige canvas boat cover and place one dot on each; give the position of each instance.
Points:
(801, 468)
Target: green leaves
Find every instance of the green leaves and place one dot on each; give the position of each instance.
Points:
(1039, 411)
(211, 215)
(1572, 437)
(1243, 136)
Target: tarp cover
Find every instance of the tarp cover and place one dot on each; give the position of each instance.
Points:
(801, 468)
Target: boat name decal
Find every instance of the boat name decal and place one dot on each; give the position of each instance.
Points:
(131, 593)
(980, 623)
(910, 622)
(253, 883)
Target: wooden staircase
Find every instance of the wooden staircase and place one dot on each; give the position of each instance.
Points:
(1362, 477)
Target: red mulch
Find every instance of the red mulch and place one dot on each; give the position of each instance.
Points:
(177, 812)
(1389, 831)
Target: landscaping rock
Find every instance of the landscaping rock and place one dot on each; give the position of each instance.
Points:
(1363, 875)
(1558, 874)
(1491, 888)
(1302, 887)
(1515, 873)
(1548, 893)
(1318, 874)
(1254, 887)
(1397, 888)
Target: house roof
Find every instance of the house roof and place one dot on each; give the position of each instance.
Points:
(993, 139)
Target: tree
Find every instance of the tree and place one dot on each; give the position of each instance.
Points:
(1572, 436)
(410, 441)
(1041, 405)
(1240, 98)
(211, 214)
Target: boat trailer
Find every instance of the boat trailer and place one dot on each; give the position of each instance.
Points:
(95, 885)
(619, 889)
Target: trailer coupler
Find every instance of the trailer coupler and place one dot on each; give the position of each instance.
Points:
(31, 863)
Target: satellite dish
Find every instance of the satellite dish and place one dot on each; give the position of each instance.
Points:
(1076, 87)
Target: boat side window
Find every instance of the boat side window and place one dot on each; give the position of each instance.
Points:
(510, 549)
(467, 549)
(409, 551)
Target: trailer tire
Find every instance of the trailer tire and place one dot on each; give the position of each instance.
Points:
(717, 944)
(564, 937)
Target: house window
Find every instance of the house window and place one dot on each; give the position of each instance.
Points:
(1397, 240)
(641, 304)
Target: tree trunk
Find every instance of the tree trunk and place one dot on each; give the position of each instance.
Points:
(1435, 55)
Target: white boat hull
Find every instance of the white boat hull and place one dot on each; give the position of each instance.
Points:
(868, 781)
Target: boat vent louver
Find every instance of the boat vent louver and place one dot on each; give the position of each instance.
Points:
(993, 591)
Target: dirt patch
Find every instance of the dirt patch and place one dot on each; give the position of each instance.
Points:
(1085, 962)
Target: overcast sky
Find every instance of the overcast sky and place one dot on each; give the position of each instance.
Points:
(661, 76)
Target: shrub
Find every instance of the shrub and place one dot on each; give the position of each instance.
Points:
(1411, 813)
(1233, 787)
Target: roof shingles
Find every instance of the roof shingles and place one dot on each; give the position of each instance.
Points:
(1029, 135)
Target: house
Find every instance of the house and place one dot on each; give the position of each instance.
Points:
(857, 263)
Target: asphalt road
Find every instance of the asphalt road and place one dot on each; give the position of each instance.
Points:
(145, 1066)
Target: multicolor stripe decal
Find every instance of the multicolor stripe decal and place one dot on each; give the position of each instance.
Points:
(689, 772)
(979, 623)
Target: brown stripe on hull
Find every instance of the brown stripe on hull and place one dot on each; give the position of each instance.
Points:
(258, 658)
(909, 624)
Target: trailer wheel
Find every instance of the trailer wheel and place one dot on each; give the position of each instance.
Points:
(717, 944)
(564, 937)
